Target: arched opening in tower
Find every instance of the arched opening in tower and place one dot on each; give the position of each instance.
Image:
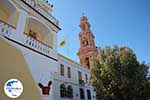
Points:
(87, 63)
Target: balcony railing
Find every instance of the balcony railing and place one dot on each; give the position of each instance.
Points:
(30, 2)
(81, 82)
(9, 32)
(6, 29)
(42, 11)
(37, 45)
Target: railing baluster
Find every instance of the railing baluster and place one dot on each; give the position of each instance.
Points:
(37, 45)
(6, 29)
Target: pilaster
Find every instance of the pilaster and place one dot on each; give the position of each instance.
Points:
(21, 24)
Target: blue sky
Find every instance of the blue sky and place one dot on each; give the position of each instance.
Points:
(113, 22)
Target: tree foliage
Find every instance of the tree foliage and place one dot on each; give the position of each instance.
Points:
(117, 75)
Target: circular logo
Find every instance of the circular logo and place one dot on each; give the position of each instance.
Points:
(13, 88)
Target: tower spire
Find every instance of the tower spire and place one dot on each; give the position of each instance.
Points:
(84, 24)
(87, 50)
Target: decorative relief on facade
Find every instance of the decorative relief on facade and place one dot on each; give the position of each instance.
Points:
(45, 89)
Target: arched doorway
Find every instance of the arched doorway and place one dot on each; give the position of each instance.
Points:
(62, 90)
(89, 94)
(69, 91)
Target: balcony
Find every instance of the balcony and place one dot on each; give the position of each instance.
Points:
(81, 82)
(35, 45)
(38, 8)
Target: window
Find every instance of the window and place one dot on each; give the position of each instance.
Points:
(61, 69)
(66, 92)
(62, 90)
(87, 62)
(69, 72)
(79, 75)
(89, 94)
(86, 78)
(82, 93)
(69, 92)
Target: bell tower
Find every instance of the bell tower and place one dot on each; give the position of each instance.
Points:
(87, 50)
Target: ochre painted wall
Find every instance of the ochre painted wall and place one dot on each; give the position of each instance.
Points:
(13, 65)
(10, 18)
(3, 14)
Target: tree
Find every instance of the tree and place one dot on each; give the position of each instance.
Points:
(117, 75)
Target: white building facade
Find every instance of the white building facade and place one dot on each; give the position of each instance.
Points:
(72, 75)
(29, 26)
